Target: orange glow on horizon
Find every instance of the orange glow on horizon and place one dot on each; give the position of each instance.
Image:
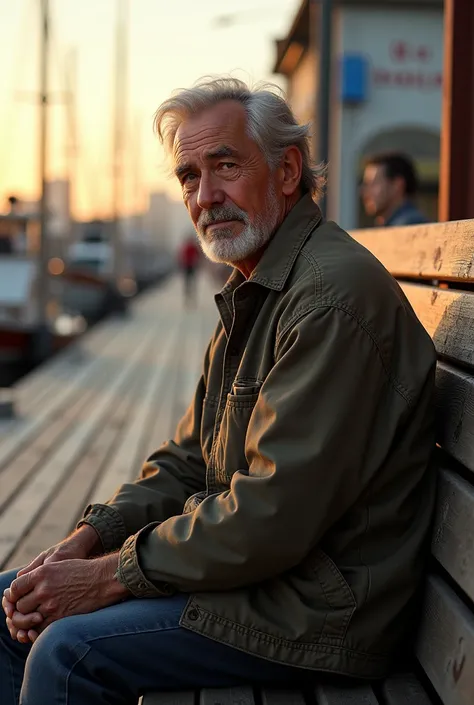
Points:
(169, 48)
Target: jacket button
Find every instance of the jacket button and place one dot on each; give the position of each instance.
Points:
(142, 586)
(193, 615)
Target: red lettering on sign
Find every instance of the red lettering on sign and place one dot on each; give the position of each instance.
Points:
(381, 76)
(399, 51)
(407, 79)
(423, 53)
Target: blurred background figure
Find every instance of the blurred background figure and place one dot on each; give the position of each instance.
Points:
(389, 188)
(189, 258)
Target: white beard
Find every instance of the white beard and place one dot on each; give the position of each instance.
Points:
(225, 247)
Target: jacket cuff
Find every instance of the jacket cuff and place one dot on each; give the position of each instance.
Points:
(131, 575)
(108, 523)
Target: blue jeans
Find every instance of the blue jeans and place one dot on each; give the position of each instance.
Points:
(116, 654)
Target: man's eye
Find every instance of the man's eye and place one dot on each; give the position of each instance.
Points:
(187, 178)
(227, 165)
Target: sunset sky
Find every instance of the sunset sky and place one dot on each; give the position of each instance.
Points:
(171, 44)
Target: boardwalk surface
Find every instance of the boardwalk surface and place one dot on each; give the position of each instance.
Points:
(88, 419)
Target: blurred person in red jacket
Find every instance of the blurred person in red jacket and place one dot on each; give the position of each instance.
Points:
(189, 257)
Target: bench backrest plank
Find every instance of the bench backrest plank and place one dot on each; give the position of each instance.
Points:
(448, 316)
(272, 696)
(446, 644)
(452, 543)
(455, 413)
(169, 698)
(404, 689)
(227, 696)
(442, 251)
(332, 695)
(419, 257)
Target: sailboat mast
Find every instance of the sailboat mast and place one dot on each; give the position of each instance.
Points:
(43, 279)
(120, 123)
(71, 146)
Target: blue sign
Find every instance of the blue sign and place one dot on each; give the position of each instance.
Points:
(354, 83)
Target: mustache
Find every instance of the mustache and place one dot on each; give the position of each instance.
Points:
(219, 213)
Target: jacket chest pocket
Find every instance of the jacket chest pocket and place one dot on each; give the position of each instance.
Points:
(229, 453)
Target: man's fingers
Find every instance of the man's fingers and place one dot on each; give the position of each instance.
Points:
(8, 607)
(22, 637)
(32, 635)
(26, 621)
(39, 630)
(21, 586)
(39, 560)
(12, 629)
(28, 604)
(7, 594)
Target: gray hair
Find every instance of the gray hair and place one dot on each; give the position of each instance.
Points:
(271, 123)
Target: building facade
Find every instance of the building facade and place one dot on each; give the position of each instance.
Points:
(386, 91)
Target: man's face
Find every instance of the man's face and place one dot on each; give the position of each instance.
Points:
(378, 191)
(228, 188)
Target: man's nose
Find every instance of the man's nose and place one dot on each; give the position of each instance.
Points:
(209, 193)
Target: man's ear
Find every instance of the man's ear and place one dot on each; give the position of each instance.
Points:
(400, 185)
(291, 169)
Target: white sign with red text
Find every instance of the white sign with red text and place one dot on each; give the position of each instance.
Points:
(412, 67)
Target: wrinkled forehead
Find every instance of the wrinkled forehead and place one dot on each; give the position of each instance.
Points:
(222, 125)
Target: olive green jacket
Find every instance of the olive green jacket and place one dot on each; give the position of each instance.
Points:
(294, 502)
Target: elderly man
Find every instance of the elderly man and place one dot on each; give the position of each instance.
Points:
(282, 531)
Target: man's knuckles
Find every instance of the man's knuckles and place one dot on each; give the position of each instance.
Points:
(49, 606)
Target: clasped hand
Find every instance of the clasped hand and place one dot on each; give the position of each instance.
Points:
(54, 590)
(61, 582)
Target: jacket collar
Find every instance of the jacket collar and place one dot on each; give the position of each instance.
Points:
(279, 257)
(276, 263)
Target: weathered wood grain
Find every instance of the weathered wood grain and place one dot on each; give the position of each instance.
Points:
(226, 696)
(33, 390)
(455, 413)
(33, 454)
(404, 689)
(19, 515)
(448, 317)
(124, 463)
(178, 698)
(445, 645)
(62, 512)
(282, 697)
(14, 437)
(436, 251)
(453, 535)
(333, 695)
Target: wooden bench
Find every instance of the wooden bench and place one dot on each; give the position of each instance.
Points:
(443, 669)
